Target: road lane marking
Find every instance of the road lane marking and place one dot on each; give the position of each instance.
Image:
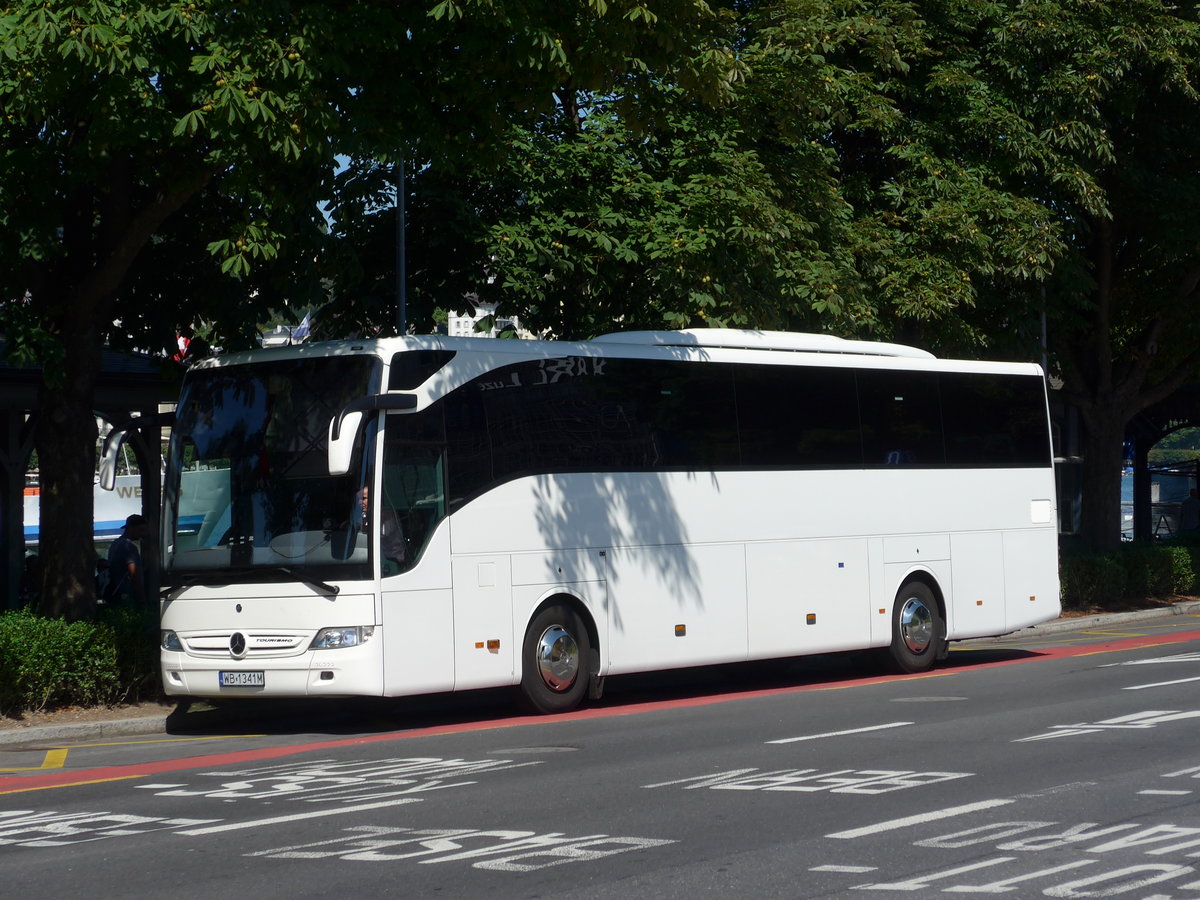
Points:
(1134, 721)
(1123, 634)
(171, 740)
(1006, 885)
(922, 882)
(920, 819)
(840, 781)
(849, 870)
(1176, 657)
(1142, 687)
(54, 759)
(828, 734)
(296, 817)
(504, 850)
(1133, 644)
(1165, 793)
(1056, 789)
(57, 758)
(19, 783)
(36, 786)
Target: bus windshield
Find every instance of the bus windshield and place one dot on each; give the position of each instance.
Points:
(247, 489)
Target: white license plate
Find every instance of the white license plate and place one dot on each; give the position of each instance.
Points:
(241, 679)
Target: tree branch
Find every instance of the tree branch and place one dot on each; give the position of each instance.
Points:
(106, 277)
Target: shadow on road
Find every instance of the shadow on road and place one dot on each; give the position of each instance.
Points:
(372, 715)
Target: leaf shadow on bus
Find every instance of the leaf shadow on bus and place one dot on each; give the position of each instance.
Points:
(634, 519)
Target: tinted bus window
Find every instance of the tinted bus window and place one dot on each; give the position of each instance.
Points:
(901, 418)
(411, 368)
(795, 417)
(994, 420)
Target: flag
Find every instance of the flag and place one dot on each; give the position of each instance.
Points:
(302, 329)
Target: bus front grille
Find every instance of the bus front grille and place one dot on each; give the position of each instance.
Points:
(245, 644)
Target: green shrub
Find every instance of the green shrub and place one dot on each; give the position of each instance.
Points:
(50, 662)
(1133, 572)
(135, 633)
(1091, 579)
(1184, 569)
(1148, 569)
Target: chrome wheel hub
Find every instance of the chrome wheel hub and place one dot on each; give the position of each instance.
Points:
(916, 625)
(557, 658)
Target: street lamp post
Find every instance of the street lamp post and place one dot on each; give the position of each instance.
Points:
(401, 252)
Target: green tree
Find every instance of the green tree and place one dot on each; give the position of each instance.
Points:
(813, 199)
(1177, 448)
(1090, 111)
(1007, 163)
(848, 104)
(667, 224)
(947, 173)
(162, 164)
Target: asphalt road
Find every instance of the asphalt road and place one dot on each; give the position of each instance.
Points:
(1055, 764)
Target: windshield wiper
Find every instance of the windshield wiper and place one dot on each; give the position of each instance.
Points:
(229, 576)
(322, 586)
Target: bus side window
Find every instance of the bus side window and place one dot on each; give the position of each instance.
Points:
(902, 418)
(413, 489)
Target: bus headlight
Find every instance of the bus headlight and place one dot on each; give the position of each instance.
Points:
(333, 638)
(169, 640)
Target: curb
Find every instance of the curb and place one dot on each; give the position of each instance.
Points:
(53, 734)
(1190, 607)
(42, 735)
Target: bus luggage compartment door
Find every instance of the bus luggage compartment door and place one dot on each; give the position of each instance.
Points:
(483, 646)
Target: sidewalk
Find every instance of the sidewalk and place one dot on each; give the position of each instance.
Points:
(1063, 623)
(107, 724)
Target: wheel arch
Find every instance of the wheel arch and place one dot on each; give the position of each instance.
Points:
(927, 577)
(567, 597)
(931, 581)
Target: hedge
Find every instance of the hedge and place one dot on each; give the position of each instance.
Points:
(1132, 573)
(53, 663)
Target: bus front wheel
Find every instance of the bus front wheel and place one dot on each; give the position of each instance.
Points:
(554, 661)
(916, 629)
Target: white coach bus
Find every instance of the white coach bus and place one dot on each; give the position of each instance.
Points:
(425, 514)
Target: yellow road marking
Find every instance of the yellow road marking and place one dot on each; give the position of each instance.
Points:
(1116, 633)
(54, 759)
(1121, 649)
(50, 787)
(180, 740)
(57, 758)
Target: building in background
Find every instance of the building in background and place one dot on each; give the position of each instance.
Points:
(459, 325)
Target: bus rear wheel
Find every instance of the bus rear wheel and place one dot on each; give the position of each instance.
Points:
(554, 661)
(916, 629)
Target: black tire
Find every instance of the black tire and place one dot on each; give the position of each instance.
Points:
(554, 661)
(917, 632)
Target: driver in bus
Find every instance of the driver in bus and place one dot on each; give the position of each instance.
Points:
(391, 537)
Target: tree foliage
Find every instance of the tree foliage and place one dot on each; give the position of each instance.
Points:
(831, 193)
(1103, 133)
(946, 172)
(162, 163)
(960, 174)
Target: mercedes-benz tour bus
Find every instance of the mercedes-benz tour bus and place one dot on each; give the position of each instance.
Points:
(424, 514)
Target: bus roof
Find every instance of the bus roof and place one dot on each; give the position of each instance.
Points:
(740, 339)
(707, 343)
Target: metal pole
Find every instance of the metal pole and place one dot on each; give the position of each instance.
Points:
(1045, 338)
(401, 253)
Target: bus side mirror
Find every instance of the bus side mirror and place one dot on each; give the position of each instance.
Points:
(345, 426)
(341, 441)
(110, 451)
